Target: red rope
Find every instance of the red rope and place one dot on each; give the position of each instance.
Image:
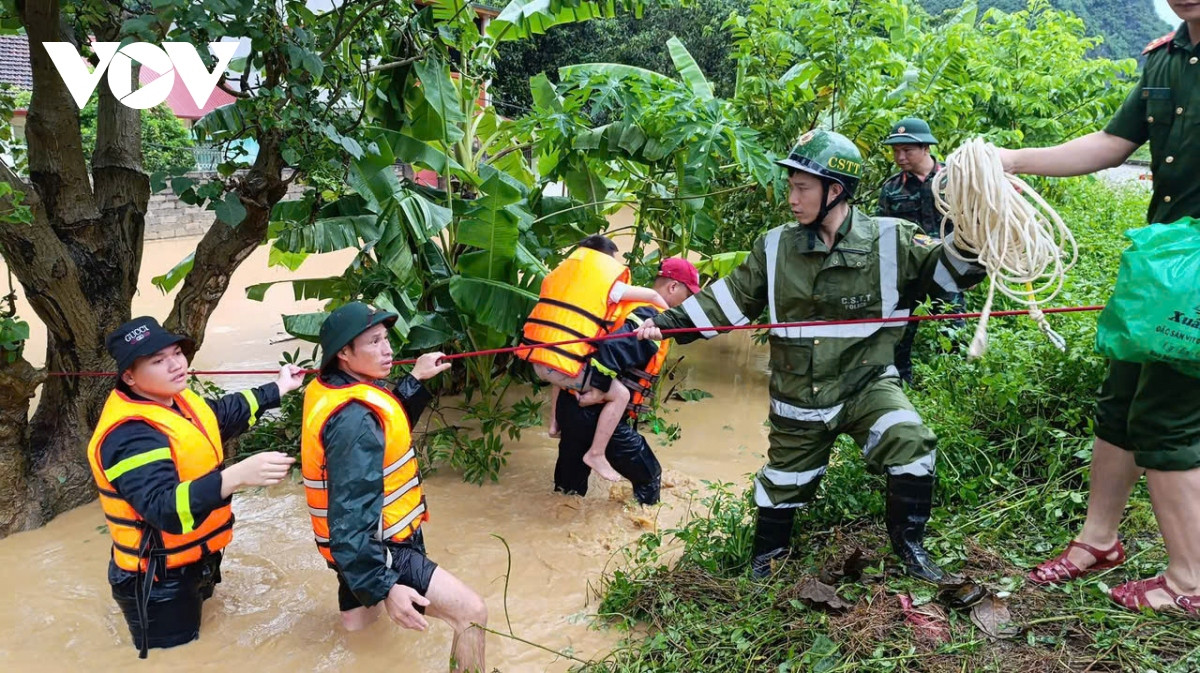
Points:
(666, 332)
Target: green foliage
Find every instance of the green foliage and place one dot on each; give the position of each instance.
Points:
(1018, 79)
(1014, 435)
(11, 98)
(461, 263)
(1125, 26)
(11, 208)
(279, 430)
(166, 143)
(615, 133)
(474, 445)
(639, 42)
(13, 333)
(167, 281)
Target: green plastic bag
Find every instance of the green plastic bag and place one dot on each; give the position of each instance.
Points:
(1154, 313)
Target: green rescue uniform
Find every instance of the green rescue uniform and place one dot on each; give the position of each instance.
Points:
(1154, 410)
(834, 379)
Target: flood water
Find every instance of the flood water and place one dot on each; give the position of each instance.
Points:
(276, 610)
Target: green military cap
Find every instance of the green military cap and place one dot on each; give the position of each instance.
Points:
(910, 131)
(346, 323)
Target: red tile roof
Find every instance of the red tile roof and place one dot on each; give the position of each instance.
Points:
(180, 101)
(14, 61)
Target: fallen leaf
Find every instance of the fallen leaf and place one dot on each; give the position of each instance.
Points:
(962, 596)
(991, 615)
(821, 594)
(928, 620)
(854, 565)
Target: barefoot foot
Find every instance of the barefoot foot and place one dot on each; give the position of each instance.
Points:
(601, 466)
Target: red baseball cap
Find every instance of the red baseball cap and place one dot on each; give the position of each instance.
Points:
(678, 268)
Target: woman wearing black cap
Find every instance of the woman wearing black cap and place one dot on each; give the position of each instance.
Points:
(157, 456)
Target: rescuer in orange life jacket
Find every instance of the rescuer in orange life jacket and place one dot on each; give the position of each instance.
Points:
(578, 300)
(636, 365)
(364, 490)
(157, 457)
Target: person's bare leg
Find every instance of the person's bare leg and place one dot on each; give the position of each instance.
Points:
(459, 606)
(560, 382)
(360, 618)
(591, 397)
(617, 399)
(555, 433)
(1113, 475)
(1176, 500)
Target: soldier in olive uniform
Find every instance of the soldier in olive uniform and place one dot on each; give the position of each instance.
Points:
(835, 262)
(1147, 416)
(908, 195)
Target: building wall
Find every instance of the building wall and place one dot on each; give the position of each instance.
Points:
(168, 217)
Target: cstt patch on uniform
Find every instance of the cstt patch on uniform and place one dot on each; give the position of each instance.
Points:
(924, 240)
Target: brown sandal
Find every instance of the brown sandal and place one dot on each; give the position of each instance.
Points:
(1064, 570)
(1132, 595)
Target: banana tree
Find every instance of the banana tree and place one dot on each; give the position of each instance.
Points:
(461, 263)
(663, 147)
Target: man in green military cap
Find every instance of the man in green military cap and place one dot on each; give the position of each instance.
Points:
(908, 195)
(833, 263)
(1147, 415)
(365, 496)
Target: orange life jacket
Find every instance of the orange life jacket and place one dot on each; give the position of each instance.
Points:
(573, 304)
(403, 497)
(642, 383)
(194, 443)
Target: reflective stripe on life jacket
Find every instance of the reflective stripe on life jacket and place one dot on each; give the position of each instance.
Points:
(194, 442)
(574, 304)
(642, 383)
(403, 499)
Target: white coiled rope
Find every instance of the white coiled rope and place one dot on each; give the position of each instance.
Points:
(1009, 229)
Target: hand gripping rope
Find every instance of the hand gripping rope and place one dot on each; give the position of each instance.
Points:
(1011, 231)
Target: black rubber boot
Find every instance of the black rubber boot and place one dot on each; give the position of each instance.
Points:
(909, 501)
(772, 537)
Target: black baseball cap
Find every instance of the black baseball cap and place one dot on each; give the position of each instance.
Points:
(141, 337)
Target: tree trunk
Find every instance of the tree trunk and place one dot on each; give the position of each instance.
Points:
(77, 262)
(18, 382)
(224, 248)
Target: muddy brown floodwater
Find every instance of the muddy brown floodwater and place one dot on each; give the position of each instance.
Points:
(276, 610)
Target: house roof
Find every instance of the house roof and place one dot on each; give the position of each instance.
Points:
(14, 61)
(180, 101)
